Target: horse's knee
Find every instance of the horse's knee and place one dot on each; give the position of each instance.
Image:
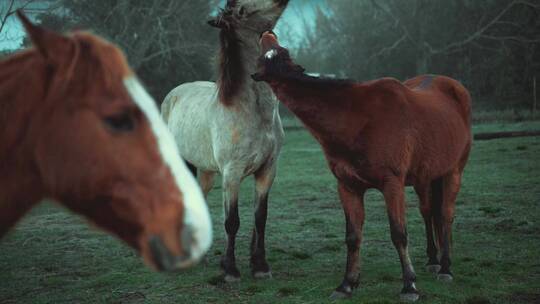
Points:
(398, 233)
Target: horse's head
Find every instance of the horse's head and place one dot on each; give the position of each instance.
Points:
(275, 61)
(250, 15)
(101, 149)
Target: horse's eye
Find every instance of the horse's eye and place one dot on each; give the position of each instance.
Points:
(122, 122)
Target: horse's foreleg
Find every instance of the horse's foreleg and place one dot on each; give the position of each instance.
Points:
(450, 188)
(393, 191)
(264, 179)
(206, 179)
(424, 195)
(231, 186)
(353, 207)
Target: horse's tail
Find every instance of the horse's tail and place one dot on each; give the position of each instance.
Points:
(463, 98)
(436, 210)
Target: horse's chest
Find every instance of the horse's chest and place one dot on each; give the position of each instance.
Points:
(247, 147)
(265, 144)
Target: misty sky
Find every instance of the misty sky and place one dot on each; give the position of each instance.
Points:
(289, 29)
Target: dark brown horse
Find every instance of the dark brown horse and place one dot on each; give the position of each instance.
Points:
(386, 135)
(77, 127)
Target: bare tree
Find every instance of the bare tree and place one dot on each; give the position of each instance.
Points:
(412, 28)
(8, 9)
(491, 46)
(6, 12)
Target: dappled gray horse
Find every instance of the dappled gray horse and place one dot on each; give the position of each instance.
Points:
(233, 127)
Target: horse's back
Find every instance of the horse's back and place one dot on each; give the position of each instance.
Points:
(455, 94)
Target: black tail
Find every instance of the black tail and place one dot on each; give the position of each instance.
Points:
(436, 210)
(192, 168)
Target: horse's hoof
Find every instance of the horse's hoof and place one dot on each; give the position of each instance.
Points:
(338, 295)
(409, 297)
(433, 268)
(259, 275)
(231, 279)
(444, 277)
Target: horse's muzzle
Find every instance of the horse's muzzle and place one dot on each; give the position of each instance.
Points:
(164, 260)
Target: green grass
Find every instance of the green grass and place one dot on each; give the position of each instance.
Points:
(55, 257)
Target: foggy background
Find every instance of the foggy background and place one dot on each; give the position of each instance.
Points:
(492, 46)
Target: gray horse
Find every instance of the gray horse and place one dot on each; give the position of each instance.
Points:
(233, 126)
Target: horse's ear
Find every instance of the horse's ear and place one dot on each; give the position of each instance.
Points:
(48, 43)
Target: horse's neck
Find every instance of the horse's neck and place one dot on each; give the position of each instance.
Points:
(255, 97)
(19, 89)
(321, 110)
(18, 194)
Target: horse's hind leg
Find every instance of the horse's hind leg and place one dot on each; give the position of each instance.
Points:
(264, 178)
(394, 195)
(231, 186)
(444, 217)
(424, 195)
(353, 207)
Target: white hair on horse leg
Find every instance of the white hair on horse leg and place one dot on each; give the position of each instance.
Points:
(196, 215)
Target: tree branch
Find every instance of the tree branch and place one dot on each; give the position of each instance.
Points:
(9, 12)
(480, 32)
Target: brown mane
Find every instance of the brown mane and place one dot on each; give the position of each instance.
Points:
(232, 73)
(95, 61)
(281, 67)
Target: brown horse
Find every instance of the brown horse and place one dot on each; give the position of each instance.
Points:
(77, 127)
(386, 135)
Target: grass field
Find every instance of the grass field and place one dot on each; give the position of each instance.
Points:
(54, 257)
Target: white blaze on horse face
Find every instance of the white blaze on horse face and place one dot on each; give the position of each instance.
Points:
(270, 54)
(196, 215)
